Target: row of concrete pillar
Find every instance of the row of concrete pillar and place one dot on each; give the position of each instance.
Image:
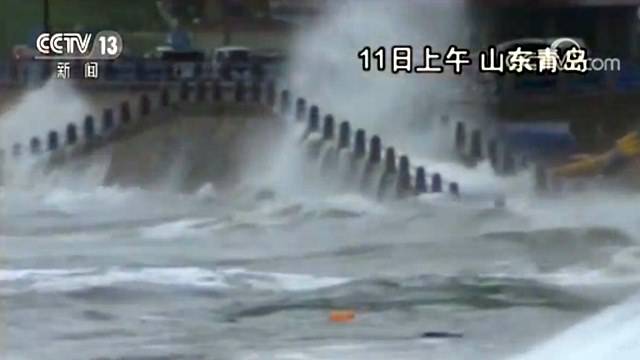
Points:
(122, 70)
(400, 167)
(474, 145)
(418, 183)
(546, 183)
(91, 131)
(243, 91)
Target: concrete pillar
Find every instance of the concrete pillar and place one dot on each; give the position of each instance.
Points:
(89, 128)
(508, 162)
(72, 134)
(436, 183)
(344, 138)
(359, 146)
(301, 107)
(35, 146)
(375, 149)
(492, 152)
(454, 189)
(421, 181)
(107, 121)
(53, 141)
(461, 138)
(476, 144)
(404, 176)
(314, 118)
(541, 179)
(328, 130)
(390, 160)
(125, 113)
(165, 97)
(285, 102)
(145, 105)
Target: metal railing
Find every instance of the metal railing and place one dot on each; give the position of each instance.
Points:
(132, 70)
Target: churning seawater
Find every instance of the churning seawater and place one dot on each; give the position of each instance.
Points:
(91, 271)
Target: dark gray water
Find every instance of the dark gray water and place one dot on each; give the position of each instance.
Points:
(107, 272)
(116, 273)
(104, 272)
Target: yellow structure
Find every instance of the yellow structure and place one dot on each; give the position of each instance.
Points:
(626, 153)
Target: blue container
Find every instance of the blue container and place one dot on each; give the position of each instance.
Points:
(539, 140)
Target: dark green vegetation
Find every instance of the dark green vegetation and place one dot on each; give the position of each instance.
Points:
(139, 21)
(19, 19)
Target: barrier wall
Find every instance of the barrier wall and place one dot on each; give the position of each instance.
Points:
(400, 178)
(124, 70)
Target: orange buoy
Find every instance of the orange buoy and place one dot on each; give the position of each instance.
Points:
(342, 316)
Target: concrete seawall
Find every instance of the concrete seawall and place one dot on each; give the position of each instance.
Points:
(178, 147)
(193, 145)
(179, 137)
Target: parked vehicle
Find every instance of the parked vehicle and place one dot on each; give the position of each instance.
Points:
(187, 64)
(232, 62)
(267, 63)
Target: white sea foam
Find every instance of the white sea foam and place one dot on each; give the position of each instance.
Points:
(52, 106)
(612, 334)
(63, 280)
